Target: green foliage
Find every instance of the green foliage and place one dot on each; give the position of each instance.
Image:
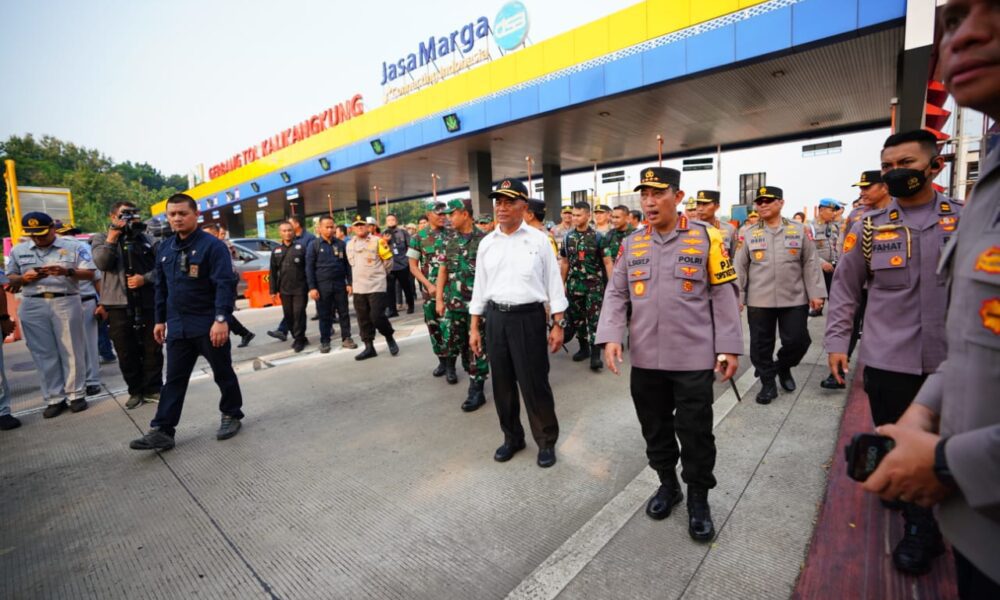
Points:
(94, 179)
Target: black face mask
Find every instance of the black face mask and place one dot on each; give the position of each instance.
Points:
(904, 183)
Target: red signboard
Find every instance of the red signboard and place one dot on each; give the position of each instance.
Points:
(317, 123)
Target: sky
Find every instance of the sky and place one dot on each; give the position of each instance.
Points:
(177, 83)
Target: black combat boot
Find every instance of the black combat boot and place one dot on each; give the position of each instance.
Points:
(368, 352)
(768, 391)
(700, 526)
(786, 380)
(596, 364)
(449, 369)
(583, 353)
(393, 346)
(439, 370)
(921, 541)
(830, 383)
(665, 499)
(476, 396)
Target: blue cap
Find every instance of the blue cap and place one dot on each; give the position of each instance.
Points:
(829, 203)
(36, 223)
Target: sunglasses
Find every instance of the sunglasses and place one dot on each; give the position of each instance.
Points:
(764, 201)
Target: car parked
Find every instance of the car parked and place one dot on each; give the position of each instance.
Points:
(259, 245)
(247, 260)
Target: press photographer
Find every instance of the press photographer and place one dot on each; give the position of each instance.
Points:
(127, 256)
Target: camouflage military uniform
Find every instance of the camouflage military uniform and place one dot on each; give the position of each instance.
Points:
(585, 281)
(427, 248)
(459, 259)
(613, 241)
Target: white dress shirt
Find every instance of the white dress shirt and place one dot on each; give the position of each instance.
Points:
(519, 268)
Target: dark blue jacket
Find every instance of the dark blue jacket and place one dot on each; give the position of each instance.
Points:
(327, 262)
(188, 299)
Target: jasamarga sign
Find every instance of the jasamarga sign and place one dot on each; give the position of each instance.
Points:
(463, 40)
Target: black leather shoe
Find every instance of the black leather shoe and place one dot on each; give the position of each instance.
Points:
(298, 346)
(546, 457)
(93, 390)
(507, 451)
(246, 339)
(700, 526)
(440, 369)
(393, 346)
(786, 380)
(921, 541)
(476, 397)
(409, 310)
(450, 375)
(392, 315)
(278, 335)
(8, 422)
(229, 427)
(596, 364)
(830, 383)
(583, 353)
(768, 391)
(78, 405)
(669, 495)
(314, 318)
(153, 440)
(324, 347)
(368, 352)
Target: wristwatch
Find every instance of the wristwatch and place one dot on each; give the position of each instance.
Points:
(941, 470)
(70, 272)
(220, 318)
(561, 323)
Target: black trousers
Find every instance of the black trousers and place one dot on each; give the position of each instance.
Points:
(828, 280)
(973, 584)
(182, 354)
(293, 306)
(404, 279)
(371, 315)
(236, 327)
(671, 406)
(517, 346)
(890, 393)
(793, 327)
(332, 302)
(140, 358)
(859, 322)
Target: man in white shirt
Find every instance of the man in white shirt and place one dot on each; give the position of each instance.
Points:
(516, 274)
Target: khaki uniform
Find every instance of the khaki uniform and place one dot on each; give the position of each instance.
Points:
(371, 260)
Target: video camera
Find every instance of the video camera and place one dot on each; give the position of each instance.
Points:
(131, 221)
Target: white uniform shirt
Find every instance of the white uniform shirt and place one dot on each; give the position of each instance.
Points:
(519, 268)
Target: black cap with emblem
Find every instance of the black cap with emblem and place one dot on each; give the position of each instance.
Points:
(770, 191)
(510, 188)
(868, 178)
(707, 196)
(660, 178)
(36, 223)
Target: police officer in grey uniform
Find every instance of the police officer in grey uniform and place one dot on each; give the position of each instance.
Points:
(826, 237)
(89, 298)
(896, 250)
(673, 272)
(708, 202)
(947, 450)
(48, 269)
(780, 280)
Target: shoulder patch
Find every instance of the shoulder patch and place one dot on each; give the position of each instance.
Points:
(850, 241)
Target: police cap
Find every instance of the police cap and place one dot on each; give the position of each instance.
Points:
(868, 178)
(36, 223)
(769, 191)
(660, 178)
(707, 196)
(510, 188)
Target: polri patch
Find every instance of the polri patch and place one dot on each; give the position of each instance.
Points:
(989, 261)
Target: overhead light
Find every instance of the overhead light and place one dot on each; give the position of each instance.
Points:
(452, 123)
(778, 74)
(324, 164)
(286, 177)
(604, 113)
(377, 146)
(229, 196)
(255, 187)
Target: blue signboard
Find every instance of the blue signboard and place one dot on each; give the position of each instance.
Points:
(510, 27)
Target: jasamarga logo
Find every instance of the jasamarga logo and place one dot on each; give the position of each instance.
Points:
(510, 28)
(463, 40)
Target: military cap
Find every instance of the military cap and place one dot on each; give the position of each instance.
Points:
(358, 220)
(707, 196)
(371, 221)
(36, 223)
(567, 209)
(457, 204)
(65, 229)
(829, 203)
(510, 188)
(602, 208)
(485, 219)
(660, 178)
(868, 178)
(437, 207)
(769, 191)
(690, 204)
(753, 213)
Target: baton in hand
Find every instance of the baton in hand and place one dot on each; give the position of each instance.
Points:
(732, 380)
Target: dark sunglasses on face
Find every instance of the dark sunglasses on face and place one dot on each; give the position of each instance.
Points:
(764, 201)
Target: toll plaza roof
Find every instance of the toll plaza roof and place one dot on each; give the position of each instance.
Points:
(701, 73)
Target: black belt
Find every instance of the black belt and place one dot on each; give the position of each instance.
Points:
(514, 308)
(87, 298)
(51, 295)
